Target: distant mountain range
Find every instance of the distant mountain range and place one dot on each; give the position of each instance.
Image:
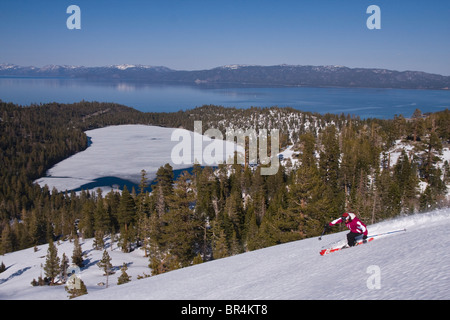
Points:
(249, 75)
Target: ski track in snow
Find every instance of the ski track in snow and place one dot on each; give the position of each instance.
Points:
(412, 265)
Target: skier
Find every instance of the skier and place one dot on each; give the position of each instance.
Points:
(357, 228)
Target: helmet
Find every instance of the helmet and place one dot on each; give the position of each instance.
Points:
(347, 216)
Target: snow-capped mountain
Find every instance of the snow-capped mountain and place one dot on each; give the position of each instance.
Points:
(139, 67)
(235, 66)
(126, 71)
(277, 75)
(124, 66)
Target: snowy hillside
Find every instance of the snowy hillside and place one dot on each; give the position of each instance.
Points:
(405, 265)
(396, 150)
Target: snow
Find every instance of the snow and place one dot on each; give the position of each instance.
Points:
(405, 265)
(289, 153)
(140, 66)
(124, 66)
(400, 145)
(25, 265)
(395, 152)
(235, 66)
(123, 151)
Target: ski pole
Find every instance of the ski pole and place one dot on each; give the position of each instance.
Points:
(323, 232)
(389, 232)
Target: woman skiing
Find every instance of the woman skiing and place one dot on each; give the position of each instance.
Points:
(357, 228)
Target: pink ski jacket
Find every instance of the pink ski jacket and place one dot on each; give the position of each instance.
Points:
(354, 224)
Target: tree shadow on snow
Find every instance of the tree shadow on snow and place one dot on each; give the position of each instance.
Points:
(15, 274)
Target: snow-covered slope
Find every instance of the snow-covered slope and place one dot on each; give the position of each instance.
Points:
(405, 265)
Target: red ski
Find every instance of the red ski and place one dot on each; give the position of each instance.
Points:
(330, 250)
(370, 238)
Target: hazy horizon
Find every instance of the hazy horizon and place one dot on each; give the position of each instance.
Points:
(200, 35)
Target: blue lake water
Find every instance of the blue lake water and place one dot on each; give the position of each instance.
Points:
(116, 182)
(364, 102)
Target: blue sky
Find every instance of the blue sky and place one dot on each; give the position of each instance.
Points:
(193, 35)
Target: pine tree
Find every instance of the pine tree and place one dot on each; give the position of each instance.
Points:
(405, 176)
(446, 172)
(143, 211)
(127, 237)
(235, 246)
(77, 255)
(153, 247)
(418, 124)
(64, 266)
(105, 264)
(127, 208)
(112, 201)
(52, 263)
(6, 240)
(34, 229)
(198, 259)
(164, 178)
(252, 237)
(143, 184)
(87, 221)
(162, 189)
(98, 242)
(235, 214)
(155, 264)
(101, 218)
(181, 229)
(145, 234)
(307, 205)
(432, 146)
(388, 194)
(124, 277)
(220, 246)
(308, 149)
(127, 219)
(256, 205)
(330, 172)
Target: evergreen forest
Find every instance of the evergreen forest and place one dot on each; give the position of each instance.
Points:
(343, 163)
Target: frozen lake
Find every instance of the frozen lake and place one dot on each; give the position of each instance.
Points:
(117, 155)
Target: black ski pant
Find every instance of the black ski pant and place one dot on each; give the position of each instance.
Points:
(351, 238)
